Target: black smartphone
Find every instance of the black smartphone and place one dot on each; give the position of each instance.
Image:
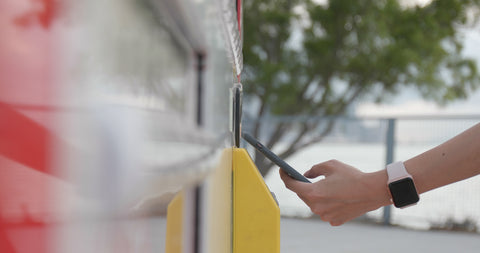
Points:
(274, 158)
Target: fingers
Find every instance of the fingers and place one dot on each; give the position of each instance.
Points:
(322, 169)
(337, 213)
(342, 214)
(293, 184)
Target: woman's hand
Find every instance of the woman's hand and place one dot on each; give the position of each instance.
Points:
(344, 194)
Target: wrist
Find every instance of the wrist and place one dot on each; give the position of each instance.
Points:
(401, 185)
(377, 183)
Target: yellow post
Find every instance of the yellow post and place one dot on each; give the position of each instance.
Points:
(216, 217)
(218, 211)
(173, 240)
(256, 215)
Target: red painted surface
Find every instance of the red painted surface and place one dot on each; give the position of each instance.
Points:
(239, 16)
(27, 60)
(239, 21)
(23, 140)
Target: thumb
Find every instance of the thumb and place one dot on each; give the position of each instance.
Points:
(321, 169)
(293, 184)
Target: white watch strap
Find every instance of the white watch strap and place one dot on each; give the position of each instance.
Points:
(396, 171)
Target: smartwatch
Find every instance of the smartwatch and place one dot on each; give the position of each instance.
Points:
(401, 186)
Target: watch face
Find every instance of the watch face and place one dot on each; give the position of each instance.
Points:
(403, 192)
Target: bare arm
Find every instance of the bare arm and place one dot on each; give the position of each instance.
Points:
(452, 161)
(346, 192)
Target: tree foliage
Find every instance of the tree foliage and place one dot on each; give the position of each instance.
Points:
(305, 58)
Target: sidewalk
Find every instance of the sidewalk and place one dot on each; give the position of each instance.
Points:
(312, 235)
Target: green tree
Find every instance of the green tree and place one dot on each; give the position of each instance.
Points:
(347, 50)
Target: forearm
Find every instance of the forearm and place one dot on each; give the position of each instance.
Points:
(452, 161)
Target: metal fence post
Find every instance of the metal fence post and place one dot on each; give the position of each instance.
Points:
(390, 146)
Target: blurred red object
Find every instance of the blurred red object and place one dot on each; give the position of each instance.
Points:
(27, 70)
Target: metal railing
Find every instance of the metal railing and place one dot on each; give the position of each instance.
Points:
(462, 218)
